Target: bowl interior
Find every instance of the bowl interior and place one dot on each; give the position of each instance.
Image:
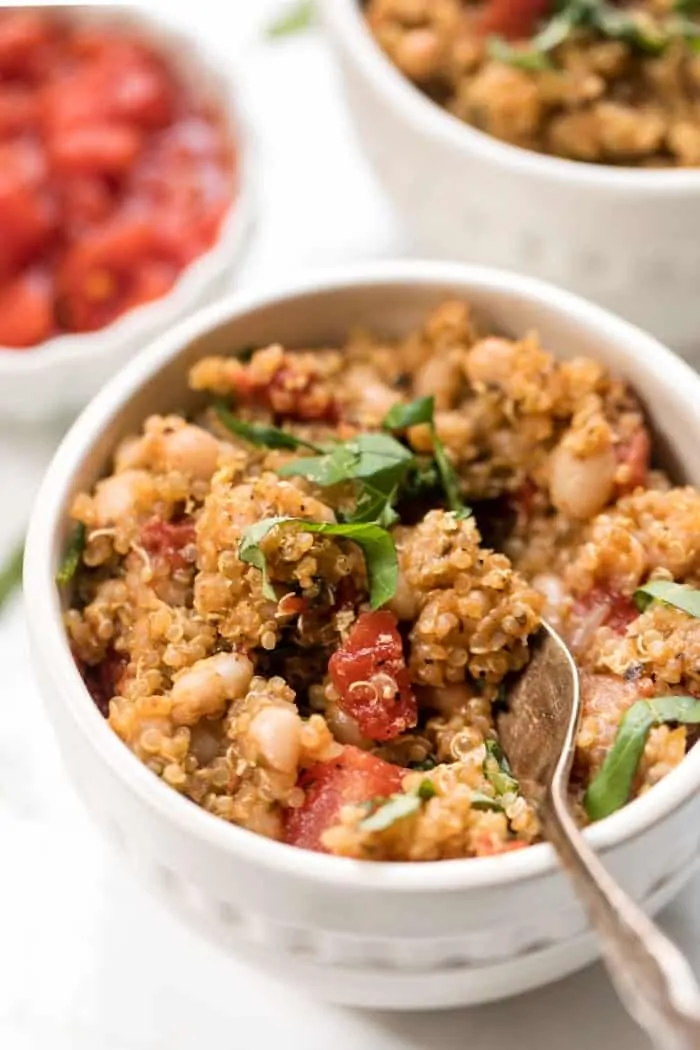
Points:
(315, 318)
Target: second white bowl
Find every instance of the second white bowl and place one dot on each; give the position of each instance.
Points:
(626, 238)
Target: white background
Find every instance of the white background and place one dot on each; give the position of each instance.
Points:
(89, 961)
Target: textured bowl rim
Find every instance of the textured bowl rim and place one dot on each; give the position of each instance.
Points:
(52, 650)
(345, 20)
(144, 320)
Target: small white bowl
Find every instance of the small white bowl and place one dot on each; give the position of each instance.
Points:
(372, 934)
(62, 374)
(626, 238)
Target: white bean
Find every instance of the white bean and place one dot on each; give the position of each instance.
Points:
(581, 487)
(404, 604)
(490, 361)
(116, 497)
(191, 450)
(277, 734)
(205, 688)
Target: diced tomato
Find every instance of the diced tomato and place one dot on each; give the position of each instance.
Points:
(26, 310)
(19, 110)
(354, 777)
(370, 675)
(636, 454)
(514, 19)
(85, 201)
(23, 34)
(113, 178)
(168, 539)
(26, 211)
(617, 611)
(102, 680)
(109, 149)
(489, 845)
(99, 278)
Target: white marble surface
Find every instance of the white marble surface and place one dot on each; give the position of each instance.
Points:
(88, 961)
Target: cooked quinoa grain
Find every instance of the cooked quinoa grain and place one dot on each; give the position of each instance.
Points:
(302, 615)
(618, 84)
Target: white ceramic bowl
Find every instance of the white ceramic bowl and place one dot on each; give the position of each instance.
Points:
(624, 237)
(62, 374)
(401, 935)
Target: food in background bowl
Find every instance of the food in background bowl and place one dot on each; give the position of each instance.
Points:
(301, 607)
(114, 176)
(589, 80)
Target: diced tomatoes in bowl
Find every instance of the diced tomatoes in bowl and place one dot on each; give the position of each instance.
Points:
(354, 777)
(369, 674)
(114, 174)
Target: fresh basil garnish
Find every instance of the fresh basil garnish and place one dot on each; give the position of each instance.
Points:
(395, 808)
(497, 770)
(376, 463)
(527, 58)
(634, 28)
(11, 574)
(679, 595)
(410, 414)
(295, 19)
(481, 801)
(260, 434)
(73, 552)
(422, 410)
(610, 789)
(376, 544)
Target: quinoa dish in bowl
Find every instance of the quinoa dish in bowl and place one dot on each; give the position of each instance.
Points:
(587, 80)
(313, 538)
(558, 138)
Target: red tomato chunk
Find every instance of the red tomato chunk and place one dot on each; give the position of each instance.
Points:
(113, 176)
(354, 777)
(616, 611)
(370, 675)
(168, 539)
(515, 19)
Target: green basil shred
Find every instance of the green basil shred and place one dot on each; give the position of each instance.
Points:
(396, 807)
(648, 35)
(610, 789)
(11, 574)
(497, 770)
(72, 555)
(294, 19)
(668, 592)
(259, 434)
(377, 546)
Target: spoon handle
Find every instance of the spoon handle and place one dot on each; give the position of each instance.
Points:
(653, 979)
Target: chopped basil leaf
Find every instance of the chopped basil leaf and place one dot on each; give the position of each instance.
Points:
(497, 770)
(377, 463)
(11, 574)
(425, 766)
(71, 558)
(423, 411)
(529, 59)
(376, 544)
(426, 790)
(669, 593)
(259, 434)
(403, 415)
(449, 479)
(295, 19)
(395, 808)
(486, 802)
(610, 789)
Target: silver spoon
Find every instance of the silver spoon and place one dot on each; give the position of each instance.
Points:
(538, 733)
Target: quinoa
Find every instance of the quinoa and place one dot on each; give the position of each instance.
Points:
(273, 690)
(627, 96)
